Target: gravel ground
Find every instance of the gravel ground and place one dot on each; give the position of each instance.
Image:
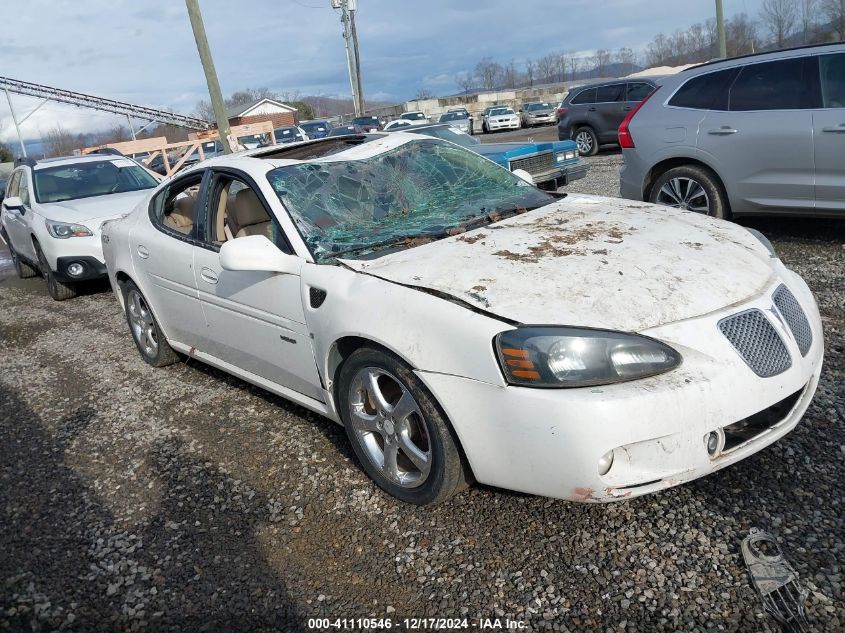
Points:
(182, 499)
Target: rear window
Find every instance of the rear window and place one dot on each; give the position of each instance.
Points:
(774, 85)
(316, 126)
(533, 107)
(705, 92)
(586, 96)
(365, 120)
(610, 94)
(832, 70)
(638, 91)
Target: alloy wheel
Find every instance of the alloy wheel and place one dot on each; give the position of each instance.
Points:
(390, 426)
(584, 141)
(684, 193)
(142, 324)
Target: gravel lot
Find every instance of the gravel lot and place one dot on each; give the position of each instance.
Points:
(183, 499)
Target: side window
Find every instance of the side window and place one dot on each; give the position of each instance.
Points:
(638, 91)
(175, 206)
(586, 96)
(23, 189)
(236, 210)
(774, 85)
(832, 73)
(610, 94)
(705, 92)
(13, 185)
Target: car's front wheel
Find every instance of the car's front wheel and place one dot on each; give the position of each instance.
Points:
(58, 290)
(397, 430)
(146, 333)
(691, 188)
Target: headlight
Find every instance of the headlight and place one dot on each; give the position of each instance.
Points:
(764, 241)
(64, 230)
(548, 356)
(564, 156)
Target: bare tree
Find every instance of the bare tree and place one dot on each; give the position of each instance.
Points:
(574, 66)
(546, 68)
(464, 81)
(835, 12)
(58, 141)
(741, 35)
(601, 60)
(509, 75)
(6, 155)
(529, 72)
(561, 63)
(778, 17)
(627, 60)
(806, 11)
(423, 93)
(488, 73)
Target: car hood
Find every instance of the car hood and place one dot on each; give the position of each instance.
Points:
(541, 112)
(589, 261)
(94, 208)
(515, 150)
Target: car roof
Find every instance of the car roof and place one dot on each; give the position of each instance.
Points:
(74, 160)
(739, 60)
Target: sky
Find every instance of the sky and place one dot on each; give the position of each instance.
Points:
(143, 51)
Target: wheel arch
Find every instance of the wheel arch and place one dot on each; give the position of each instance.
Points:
(660, 168)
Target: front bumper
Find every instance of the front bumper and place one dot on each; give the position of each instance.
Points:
(509, 125)
(92, 268)
(541, 120)
(554, 180)
(549, 441)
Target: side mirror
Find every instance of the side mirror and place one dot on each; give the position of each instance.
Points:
(256, 252)
(13, 203)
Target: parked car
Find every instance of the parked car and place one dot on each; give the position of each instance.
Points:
(397, 123)
(458, 120)
(591, 115)
(368, 123)
(538, 113)
(53, 211)
(417, 117)
(462, 324)
(463, 111)
(289, 134)
(761, 134)
(345, 130)
(549, 165)
(254, 141)
(500, 119)
(316, 129)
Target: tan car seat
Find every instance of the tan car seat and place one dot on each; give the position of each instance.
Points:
(182, 217)
(250, 216)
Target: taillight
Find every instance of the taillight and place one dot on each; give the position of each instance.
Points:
(561, 112)
(626, 141)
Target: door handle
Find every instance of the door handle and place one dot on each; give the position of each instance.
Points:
(143, 253)
(723, 131)
(208, 275)
(628, 108)
(838, 129)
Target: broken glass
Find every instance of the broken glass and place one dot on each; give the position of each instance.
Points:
(419, 189)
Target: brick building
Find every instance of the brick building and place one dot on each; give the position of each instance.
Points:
(271, 110)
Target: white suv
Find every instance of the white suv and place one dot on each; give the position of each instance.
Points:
(53, 210)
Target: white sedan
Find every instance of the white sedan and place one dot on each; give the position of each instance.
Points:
(500, 119)
(463, 325)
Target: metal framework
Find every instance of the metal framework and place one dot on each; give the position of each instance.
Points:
(106, 105)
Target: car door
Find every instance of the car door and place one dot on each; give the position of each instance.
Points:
(255, 320)
(761, 140)
(609, 111)
(635, 92)
(18, 221)
(162, 245)
(829, 134)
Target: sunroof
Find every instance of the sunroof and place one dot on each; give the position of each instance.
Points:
(318, 149)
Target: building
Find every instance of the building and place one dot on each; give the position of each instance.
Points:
(278, 113)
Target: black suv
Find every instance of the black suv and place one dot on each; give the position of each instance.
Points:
(591, 115)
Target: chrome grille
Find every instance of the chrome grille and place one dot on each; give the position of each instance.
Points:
(757, 342)
(795, 318)
(538, 164)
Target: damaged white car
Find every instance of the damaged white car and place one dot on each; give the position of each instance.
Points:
(463, 325)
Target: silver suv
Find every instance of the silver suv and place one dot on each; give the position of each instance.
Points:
(760, 134)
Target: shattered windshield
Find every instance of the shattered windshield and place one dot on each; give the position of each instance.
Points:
(418, 191)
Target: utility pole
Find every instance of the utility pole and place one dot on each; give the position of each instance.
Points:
(17, 127)
(214, 93)
(347, 18)
(720, 28)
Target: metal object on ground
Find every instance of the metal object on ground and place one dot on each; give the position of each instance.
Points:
(775, 581)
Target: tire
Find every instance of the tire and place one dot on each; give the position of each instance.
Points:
(148, 337)
(58, 290)
(587, 141)
(484, 129)
(691, 188)
(24, 270)
(371, 383)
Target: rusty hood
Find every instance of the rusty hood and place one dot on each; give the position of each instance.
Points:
(589, 261)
